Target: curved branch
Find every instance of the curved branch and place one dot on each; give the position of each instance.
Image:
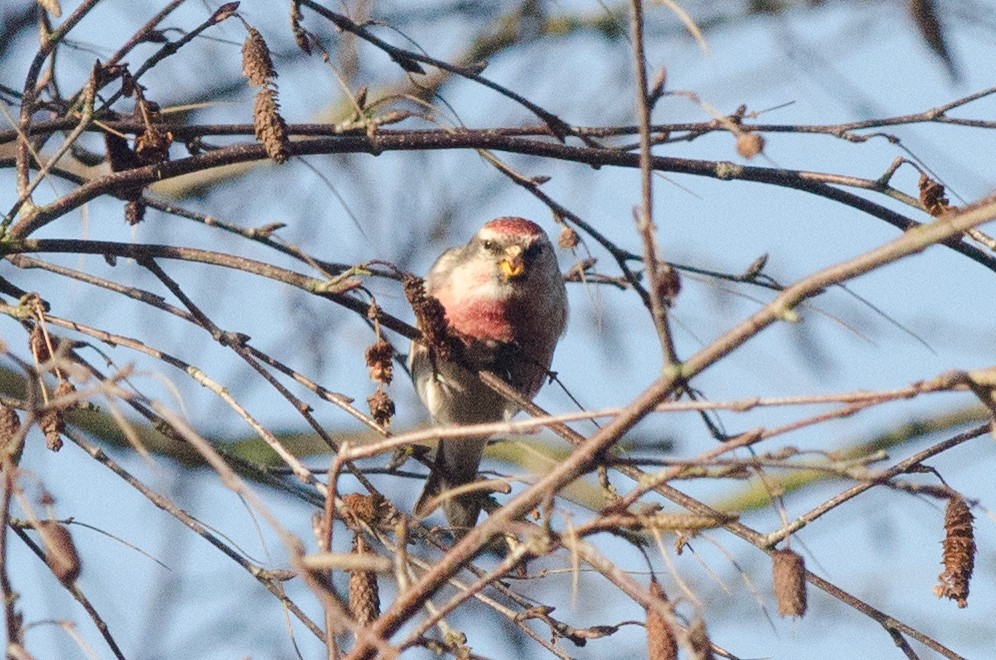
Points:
(812, 182)
(143, 252)
(588, 450)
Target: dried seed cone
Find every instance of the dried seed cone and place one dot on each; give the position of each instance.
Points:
(364, 597)
(568, 238)
(153, 145)
(257, 65)
(300, 34)
(11, 439)
(669, 285)
(379, 361)
(65, 388)
(932, 197)
(60, 551)
(381, 407)
(925, 15)
(662, 644)
(271, 129)
(38, 344)
(749, 145)
(360, 508)
(700, 646)
(52, 425)
(373, 510)
(789, 573)
(430, 315)
(959, 552)
(53, 421)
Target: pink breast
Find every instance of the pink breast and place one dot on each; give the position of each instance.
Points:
(479, 319)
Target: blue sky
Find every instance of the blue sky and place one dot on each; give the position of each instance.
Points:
(830, 65)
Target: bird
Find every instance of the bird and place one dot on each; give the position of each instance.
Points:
(506, 304)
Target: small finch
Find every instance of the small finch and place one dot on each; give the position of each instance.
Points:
(506, 303)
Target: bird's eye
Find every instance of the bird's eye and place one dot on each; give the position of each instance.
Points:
(533, 250)
(490, 246)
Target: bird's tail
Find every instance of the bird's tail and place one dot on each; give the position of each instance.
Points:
(448, 473)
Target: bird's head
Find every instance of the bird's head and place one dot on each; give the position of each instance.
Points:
(515, 246)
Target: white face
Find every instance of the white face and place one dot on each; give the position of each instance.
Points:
(514, 257)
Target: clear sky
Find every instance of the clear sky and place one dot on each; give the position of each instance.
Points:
(928, 314)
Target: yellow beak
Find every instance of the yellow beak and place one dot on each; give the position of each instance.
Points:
(512, 266)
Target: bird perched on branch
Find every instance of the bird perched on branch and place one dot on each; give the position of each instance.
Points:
(506, 307)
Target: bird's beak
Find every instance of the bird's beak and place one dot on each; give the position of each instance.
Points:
(512, 265)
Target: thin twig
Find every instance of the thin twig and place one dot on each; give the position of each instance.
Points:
(645, 226)
(80, 597)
